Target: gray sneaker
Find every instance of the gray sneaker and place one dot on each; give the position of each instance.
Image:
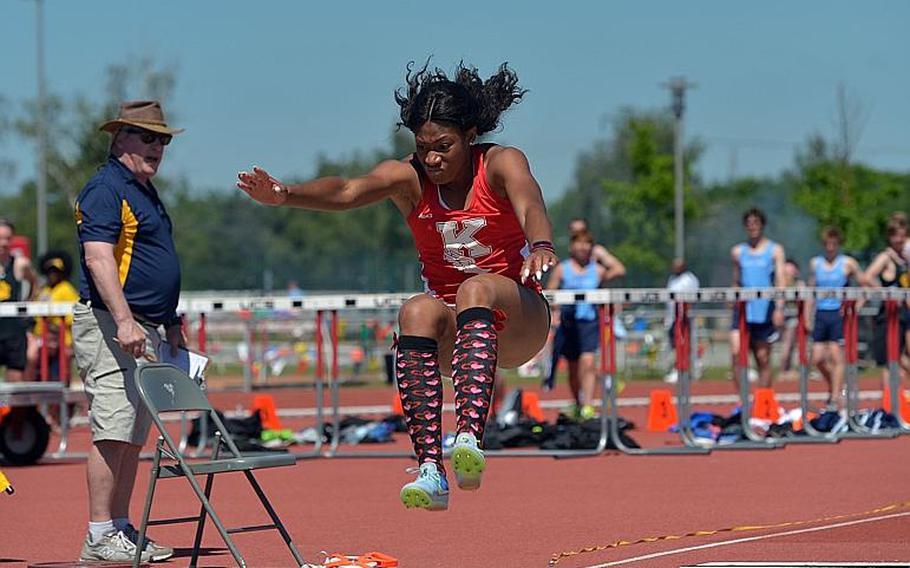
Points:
(156, 552)
(114, 547)
(468, 461)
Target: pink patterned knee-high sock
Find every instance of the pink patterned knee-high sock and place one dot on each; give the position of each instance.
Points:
(474, 369)
(420, 388)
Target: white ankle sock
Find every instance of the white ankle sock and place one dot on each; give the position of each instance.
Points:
(97, 531)
(120, 523)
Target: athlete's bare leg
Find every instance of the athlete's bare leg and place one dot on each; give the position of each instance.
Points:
(734, 358)
(820, 360)
(426, 316)
(588, 377)
(762, 352)
(787, 347)
(837, 374)
(574, 381)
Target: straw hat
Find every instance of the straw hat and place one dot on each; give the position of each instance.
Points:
(142, 114)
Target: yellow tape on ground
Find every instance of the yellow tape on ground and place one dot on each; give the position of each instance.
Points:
(5, 485)
(556, 558)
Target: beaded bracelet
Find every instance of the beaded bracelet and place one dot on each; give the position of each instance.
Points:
(543, 245)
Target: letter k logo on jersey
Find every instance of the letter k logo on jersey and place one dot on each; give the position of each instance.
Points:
(461, 245)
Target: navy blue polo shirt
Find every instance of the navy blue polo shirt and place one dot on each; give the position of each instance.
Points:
(115, 208)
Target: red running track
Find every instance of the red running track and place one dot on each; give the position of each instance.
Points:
(528, 510)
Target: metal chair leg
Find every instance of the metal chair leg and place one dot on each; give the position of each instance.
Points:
(211, 511)
(274, 516)
(200, 526)
(150, 494)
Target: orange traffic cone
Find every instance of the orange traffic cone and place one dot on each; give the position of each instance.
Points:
(661, 412)
(265, 404)
(530, 405)
(905, 402)
(798, 423)
(764, 406)
(396, 404)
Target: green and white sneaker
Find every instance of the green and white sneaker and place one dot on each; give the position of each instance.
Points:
(587, 412)
(114, 547)
(468, 461)
(429, 491)
(156, 552)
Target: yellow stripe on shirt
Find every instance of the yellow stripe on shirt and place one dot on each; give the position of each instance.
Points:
(123, 252)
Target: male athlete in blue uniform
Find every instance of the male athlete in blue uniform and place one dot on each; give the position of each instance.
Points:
(831, 270)
(758, 263)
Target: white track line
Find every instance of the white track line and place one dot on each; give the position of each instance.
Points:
(628, 401)
(749, 539)
(561, 403)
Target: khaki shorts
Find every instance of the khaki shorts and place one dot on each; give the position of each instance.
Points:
(115, 409)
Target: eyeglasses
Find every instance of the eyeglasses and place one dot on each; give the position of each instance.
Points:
(149, 137)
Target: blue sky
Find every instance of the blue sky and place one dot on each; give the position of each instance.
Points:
(278, 83)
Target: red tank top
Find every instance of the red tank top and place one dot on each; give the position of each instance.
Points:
(455, 244)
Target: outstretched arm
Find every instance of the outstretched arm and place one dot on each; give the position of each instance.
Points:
(388, 179)
(872, 276)
(508, 169)
(613, 267)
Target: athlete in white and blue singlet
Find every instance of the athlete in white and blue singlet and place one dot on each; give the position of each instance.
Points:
(831, 270)
(757, 263)
(578, 335)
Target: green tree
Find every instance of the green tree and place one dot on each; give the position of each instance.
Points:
(226, 241)
(75, 147)
(856, 198)
(624, 188)
(719, 225)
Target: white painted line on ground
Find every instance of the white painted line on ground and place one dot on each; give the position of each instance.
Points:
(748, 539)
(564, 403)
(799, 565)
(560, 403)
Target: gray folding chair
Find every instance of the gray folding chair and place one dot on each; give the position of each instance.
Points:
(165, 388)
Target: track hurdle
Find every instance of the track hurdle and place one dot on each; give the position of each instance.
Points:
(605, 374)
(802, 350)
(894, 377)
(856, 430)
(324, 305)
(682, 365)
(316, 451)
(813, 436)
(753, 440)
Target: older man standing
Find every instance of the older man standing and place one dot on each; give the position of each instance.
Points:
(129, 288)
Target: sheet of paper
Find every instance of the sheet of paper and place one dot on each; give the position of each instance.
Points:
(193, 364)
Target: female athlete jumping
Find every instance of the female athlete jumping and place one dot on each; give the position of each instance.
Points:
(483, 240)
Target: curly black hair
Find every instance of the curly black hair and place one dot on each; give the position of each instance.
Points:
(56, 260)
(466, 102)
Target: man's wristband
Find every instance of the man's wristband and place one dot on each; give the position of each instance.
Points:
(176, 320)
